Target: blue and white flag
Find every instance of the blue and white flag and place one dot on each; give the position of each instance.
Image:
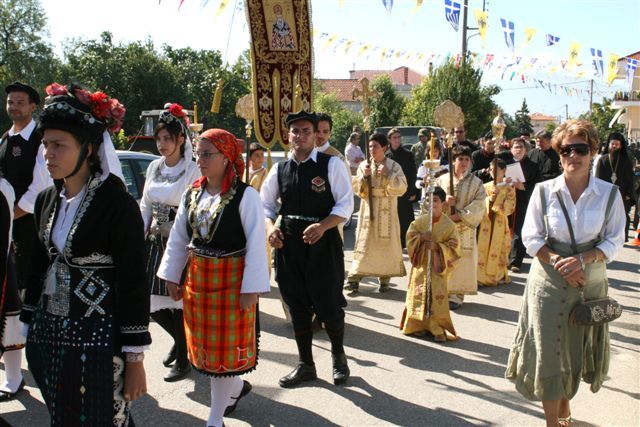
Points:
(388, 4)
(509, 33)
(598, 64)
(551, 40)
(452, 13)
(632, 64)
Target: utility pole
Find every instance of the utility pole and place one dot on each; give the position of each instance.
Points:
(566, 112)
(464, 31)
(590, 97)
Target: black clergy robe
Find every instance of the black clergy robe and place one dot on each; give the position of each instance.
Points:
(405, 159)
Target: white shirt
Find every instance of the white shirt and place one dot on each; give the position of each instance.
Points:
(41, 177)
(255, 278)
(339, 180)
(10, 196)
(587, 217)
(164, 191)
(353, 152)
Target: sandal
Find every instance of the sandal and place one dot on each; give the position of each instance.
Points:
(565, 421)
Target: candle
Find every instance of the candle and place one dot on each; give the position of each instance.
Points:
(195, 113)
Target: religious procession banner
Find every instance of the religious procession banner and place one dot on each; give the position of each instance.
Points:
(281, 54)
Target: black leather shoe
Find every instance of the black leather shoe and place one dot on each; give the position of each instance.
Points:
(170, 357)
(178, 372)
(7, 395)
(246, 388)
(340, 369)
(454, 305)
(302, 372)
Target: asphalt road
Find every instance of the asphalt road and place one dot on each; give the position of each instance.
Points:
(396, 380)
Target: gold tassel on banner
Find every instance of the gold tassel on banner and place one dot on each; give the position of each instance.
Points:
(217, 97)
(297, 98)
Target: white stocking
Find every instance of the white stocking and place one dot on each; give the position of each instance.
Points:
(222, 388)
(12, 367)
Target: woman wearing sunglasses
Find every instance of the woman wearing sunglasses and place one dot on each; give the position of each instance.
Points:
(549, 354)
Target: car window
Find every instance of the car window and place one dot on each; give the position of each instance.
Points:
(143, 164)
(130, 179)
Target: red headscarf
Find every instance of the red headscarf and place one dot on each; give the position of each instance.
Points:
(226, 143)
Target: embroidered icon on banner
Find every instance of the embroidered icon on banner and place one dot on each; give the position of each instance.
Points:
(16, 151)
(318, 184)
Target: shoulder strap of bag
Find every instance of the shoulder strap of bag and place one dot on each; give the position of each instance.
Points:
(574, 246)
(612, 198)
(543, 201)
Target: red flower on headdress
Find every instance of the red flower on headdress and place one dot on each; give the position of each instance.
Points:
(176, 110)
(55, 89)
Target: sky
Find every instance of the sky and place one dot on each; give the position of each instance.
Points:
(610, 25)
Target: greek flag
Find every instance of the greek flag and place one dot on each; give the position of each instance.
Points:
(598, 64)
(452, 13)
(509, 33)
(551, 40)
(388, 4)
(632, 64)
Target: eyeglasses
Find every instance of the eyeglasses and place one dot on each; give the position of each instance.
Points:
(459, 131)
(579, 149)
(205, 155)
(303, 132)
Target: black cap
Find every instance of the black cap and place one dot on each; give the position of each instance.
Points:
(67, 113)
(21, 87)
(302, 115)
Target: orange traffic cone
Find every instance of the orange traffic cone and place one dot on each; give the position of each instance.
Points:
(636, 240)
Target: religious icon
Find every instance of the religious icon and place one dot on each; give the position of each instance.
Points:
(280, 17)
(17, 151)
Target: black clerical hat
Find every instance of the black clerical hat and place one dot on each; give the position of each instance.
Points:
(34, 96)
(302, 115)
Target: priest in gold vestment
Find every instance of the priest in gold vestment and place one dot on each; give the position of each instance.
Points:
(378, 251)
(494, 238)
(468, 199)
(427, 302)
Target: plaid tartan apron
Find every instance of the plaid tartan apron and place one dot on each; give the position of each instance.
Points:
(221, 338)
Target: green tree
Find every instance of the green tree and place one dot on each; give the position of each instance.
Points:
(523, 121)
(511, 131)
(462, 86)
(601, 116)
(386, 107)
(25, 53)
(343, 118)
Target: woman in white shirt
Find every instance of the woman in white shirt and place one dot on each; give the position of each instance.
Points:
(167, 178)
(549, 354)
(219, 235)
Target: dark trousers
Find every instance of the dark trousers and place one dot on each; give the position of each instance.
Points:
(406, 216)
(518, 251)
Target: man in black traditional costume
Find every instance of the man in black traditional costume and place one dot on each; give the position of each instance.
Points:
(316, 195)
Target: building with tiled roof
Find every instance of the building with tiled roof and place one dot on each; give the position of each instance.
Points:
(539, 121)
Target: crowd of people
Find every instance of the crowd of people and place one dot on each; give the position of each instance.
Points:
(85, 267)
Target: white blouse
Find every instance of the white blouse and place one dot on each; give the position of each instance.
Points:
(164, 185)
(255, 277)
(587, 217)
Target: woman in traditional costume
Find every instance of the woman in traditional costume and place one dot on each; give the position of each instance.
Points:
(494, 238)
(427, 303)
(571, 240)
(167, 179)
(219, 235)
(378, 250)
(11, 338)
(87, 301)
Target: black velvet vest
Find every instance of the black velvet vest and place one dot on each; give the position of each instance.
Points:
(17, 160)
(304, 187)
(229, 236)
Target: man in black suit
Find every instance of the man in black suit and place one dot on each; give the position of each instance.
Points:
(531, 173)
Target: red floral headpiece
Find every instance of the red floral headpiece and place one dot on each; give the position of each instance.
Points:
(104, 109)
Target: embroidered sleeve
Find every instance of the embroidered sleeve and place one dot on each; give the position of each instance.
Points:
(132, 292)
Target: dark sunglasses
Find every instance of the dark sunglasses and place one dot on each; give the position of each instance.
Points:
(579, 149)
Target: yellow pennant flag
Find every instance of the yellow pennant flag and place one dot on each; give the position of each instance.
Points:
(331, 40)
(383, 54)
(482, 20)
(340, 3)
(221, 8)
(418, 4)
(612, 68)
(581, 74)
(574, 51)
(528, 34)
(553, 70)
(363, 49)
(347, 46)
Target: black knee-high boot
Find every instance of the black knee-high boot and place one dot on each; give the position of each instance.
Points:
(304, 339)
(164, 318)
(180, 339)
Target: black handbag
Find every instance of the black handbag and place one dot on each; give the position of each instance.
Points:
(597, 311)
